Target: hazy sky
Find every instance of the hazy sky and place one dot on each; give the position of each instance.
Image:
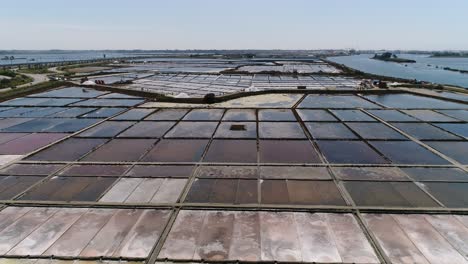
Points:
(234, 24)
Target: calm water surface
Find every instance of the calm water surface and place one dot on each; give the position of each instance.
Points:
(425, 68)
(57, 56)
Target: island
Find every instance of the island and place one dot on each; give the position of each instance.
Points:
(388, 56)
(456, 70)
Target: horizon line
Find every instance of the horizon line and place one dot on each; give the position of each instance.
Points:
(322, 49)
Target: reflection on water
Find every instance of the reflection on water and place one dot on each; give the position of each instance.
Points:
(425, 68)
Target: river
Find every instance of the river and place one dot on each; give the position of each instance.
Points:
(425, 69)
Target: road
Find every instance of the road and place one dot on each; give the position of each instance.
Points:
(56, 70)
(37, 78)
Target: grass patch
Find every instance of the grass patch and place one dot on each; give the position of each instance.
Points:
(41, 70)
(8, 73)
(40, 87)
(15, 79)
(76, 66)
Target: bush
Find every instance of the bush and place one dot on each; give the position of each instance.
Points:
(8, 73)
(209, 98)
(383, 85)
(35, 70)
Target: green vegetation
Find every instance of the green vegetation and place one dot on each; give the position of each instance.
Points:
(450, 54)
(8, 73)
(388, 56)
(40, 70)
(14, 79)
(40, 87)
(68, 74)
(76, 66)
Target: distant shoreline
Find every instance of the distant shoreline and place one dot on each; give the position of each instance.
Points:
(449, 55)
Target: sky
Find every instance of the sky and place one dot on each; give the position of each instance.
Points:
(234, 24)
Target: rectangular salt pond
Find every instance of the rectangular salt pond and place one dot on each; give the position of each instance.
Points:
(144, 190)
(70, 189)
(336, 101)
(315, 115)
(161, 171)
(375, 131)
(407, 152)
(249, 152)
(236, 130)
(168, 150)
(429, 116)
(409, 101)
(392, 116)
(68, 150)
(192, 130)
(287, 151)
(121, 150)
(236, 151)
(420, 238)
(106, 129)
(82, 232)
(277, 130)
(271, 236)
(396, 194)
(352, 116)
(12, 186)
(95, 170)
(451, 194)
(204, 115)
(351, 152)
(240, 115)
(234, 172)
(147, 129)
(323, 130)
(276, 115)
